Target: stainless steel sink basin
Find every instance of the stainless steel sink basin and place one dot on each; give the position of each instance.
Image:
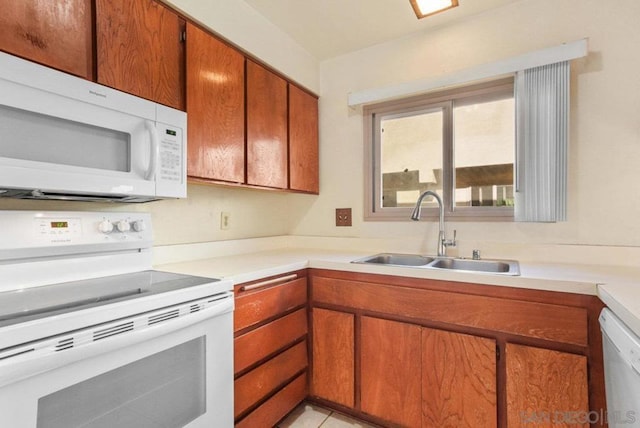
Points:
(497, 267)
(396, 259)
(508, 267)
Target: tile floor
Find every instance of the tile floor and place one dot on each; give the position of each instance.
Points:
(311, 416)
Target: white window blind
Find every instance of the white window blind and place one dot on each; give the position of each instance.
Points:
(542, 118)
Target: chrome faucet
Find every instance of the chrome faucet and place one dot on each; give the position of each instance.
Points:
(442, 241)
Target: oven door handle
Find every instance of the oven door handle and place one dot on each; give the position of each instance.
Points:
(48, 357)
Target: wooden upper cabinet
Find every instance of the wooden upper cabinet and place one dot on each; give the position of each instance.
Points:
(215, 108)
(57, 34)
(266, 128)
(303, 141)
(545, 384)
(140, 50)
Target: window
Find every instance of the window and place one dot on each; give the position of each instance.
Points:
(459, 143)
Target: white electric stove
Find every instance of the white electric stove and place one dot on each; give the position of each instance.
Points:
(91, 336)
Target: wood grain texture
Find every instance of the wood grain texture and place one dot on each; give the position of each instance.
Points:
(544, 387)
(303, 141)
(260, 305)
(333, 358)
(139, 50)
(390, 371)
(267, 158)
(278, 406)
(458, 380)
(266, 378)
(57, 34)
(257, 344)
(215, 108)
(531, 319)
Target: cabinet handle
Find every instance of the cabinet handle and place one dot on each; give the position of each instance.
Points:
(269, 282)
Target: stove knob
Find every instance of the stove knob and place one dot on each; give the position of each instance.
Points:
(138, 225)
(123, 226)
(105, 226)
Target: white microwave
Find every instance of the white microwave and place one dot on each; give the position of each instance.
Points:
(62, 137)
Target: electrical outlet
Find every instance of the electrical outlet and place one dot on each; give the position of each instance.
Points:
(225, 221)
(343, 216)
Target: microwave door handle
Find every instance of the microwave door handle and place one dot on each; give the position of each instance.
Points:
(154, 150)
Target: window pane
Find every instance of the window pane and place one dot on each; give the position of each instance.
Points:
(484, 153)
(410, 156)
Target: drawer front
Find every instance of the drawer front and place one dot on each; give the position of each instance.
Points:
(266, 378)
(278, 406)
(257, 344)
(256, 306)
(566, 324)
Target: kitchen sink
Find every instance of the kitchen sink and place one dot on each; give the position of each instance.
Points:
(490, 266)
(396, 259)
(498, 267)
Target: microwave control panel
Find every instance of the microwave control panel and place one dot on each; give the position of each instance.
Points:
(171, 153)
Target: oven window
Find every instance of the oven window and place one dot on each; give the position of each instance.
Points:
(36, 137)
(166, 390)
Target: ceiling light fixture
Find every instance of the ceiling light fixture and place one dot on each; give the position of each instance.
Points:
(424, 8)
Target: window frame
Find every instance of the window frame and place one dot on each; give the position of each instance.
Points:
(373, 113)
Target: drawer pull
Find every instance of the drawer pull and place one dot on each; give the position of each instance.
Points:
(269, 282)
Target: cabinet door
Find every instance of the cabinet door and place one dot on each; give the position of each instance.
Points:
(140, 51)
(458, 380)
(215, 108)
(303, 141)
(54, 33)
(266, 128)
(333, 356)
(545, 387)
(390, 371)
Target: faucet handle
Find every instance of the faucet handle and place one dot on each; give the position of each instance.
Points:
(451, 242)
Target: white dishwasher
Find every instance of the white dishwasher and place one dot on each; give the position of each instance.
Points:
(621, 349)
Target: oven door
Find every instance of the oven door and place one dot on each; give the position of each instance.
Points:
(168, 368)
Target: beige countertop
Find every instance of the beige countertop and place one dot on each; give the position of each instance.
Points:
(618, 287)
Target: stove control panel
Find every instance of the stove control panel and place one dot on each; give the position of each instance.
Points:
(110, 231)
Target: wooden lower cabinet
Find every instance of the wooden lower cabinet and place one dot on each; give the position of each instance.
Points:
(258, 383)
(388, 350)
(333, 356)
(458, 380)
(546, 388)
(270, 349)
(437, 378)
(390, 368)
(278, 406)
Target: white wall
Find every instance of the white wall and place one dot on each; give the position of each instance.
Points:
(604, 177)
